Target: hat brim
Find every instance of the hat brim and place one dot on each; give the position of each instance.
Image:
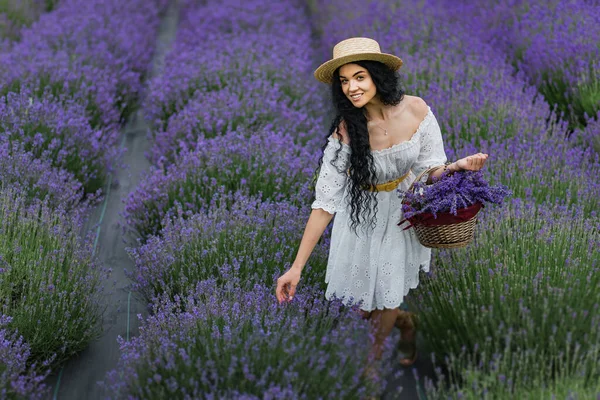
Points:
(325, 72)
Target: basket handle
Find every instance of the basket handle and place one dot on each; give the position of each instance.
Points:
(427, 171)
(411, 188)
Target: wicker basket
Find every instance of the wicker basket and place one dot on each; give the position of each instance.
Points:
(452, 235)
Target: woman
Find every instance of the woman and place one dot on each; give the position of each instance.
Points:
(379, 141)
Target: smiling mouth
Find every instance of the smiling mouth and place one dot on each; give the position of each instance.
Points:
(356, 96)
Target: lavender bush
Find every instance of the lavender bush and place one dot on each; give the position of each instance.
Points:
(73, 76)
(246, 243)
(511, 375)
(250, 71)
(543, 169)
(451, 192)
(17, 378)
(38, 179)
(59, 133)
(589, 137)
(90, 51)
(263, 163)
(223, 342)
(526, 289)
(253, 45)
(50, 284)
(250, 107)
(62, 100)
(554, 43)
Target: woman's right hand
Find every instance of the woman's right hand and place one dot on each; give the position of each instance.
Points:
(286, 284)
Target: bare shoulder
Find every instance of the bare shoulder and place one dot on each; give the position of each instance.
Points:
(341, 133)
(418, 107)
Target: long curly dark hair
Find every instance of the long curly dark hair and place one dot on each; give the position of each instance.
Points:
(362, 169)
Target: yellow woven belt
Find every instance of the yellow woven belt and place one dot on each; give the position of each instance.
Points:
(388, 186)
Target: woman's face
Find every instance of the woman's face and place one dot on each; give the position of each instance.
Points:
(357, 84)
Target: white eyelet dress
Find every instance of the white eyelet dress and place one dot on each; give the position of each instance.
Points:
(379, 267)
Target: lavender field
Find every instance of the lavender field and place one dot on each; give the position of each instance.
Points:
(235, 124)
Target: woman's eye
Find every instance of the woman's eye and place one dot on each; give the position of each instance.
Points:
(360, 78)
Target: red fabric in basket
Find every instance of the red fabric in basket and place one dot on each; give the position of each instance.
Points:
(427, 219)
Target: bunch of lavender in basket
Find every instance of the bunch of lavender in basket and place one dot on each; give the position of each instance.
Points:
(449, 193)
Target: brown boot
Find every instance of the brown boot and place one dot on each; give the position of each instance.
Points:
(407, 323)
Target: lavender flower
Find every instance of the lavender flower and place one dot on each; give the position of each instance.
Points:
(60, 134)
(264, 164)
(224, 342)
(18, 379)
(51, 284)
(88, 51)
(249, 73)
(552, 43)
(451, 192)
(246, 242)
(37, 179)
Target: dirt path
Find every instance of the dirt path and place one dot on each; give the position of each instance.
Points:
(78, 378)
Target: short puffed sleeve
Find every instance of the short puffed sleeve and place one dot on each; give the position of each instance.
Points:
(431, 152)
(331, 182)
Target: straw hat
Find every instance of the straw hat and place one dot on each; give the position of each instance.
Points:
(355, 49)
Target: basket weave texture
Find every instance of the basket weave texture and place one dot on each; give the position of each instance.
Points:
(453, 235)
(446, 236)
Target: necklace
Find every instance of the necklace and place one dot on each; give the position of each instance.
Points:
(385, 130)
(379, 126)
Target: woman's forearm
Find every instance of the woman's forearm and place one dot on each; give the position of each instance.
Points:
(317, 222)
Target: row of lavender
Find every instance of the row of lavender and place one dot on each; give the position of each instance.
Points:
(68, 83)
(553, 43)
(515, 315)
(237, 120)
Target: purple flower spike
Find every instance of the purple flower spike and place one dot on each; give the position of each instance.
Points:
(451, 192)
(17, 378)
(224, 342)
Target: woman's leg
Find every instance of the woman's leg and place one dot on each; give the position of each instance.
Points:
(382, 323)
(365, 314)
(407, 323)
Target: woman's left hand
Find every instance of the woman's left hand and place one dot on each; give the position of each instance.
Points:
(473, 162)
